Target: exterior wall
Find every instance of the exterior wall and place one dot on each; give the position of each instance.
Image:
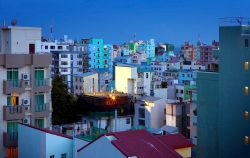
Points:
(99, 148)
(147, 83)
(161, 93)
(207, 108)
(122, 124)
(27, 143)
(184, 152)
(157, 113)
(56, 145)
(124, 78)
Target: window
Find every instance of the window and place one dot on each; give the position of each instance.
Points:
(64, 70)
(246, 43)
(246, 115)
(46, 47)
(12, 100)
(64, 155)
(64, 63)
(52, 47)
(146, 75)
(39, 123)
(59, 47)
(128, 121)
(246, 140)
(181, 91)
(76, 87)
(79, 63)
(246, 90)
(246, 66)
(12, 76)
(141, 122)
(141, 112)
(39, 102)
(52, 156)
(183, 75)
(39, 77)
(64, 56)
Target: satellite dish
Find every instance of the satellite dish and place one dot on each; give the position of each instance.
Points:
(13, 22)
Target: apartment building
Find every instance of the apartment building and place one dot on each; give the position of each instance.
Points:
(68, 63)
(25, 85)
(223, 98)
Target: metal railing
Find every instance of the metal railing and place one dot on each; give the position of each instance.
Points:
(42, 107)
(41, 82)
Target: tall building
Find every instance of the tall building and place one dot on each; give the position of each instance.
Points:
(223, 98)
(25, 85)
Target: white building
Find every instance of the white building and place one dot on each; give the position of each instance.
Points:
(133, 80)
(86, 83)
(149, 112)
(25, 85)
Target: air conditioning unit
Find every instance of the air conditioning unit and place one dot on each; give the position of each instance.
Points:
(26, 120)
(26, 101)
(27, 83)
(27, 108)
(26, 77)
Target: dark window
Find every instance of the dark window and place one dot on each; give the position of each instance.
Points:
(141, 122)
(64, 155)
(46, 47)
(106, 81)
(128, 121)
(52, 156)
(52, 47)
(32, 48)
(246, 42)
(146, 75)
(141, 112)
(60, 47)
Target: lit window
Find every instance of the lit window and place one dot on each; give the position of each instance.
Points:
(246, 66)
(246, 90)
(246, 115)
(246, 140)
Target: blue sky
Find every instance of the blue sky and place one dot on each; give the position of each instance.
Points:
(173, 21)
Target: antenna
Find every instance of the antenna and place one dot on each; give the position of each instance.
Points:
(234, 20)
(51, 32)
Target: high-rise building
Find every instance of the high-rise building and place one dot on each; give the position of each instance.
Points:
(223, 98)
(25, 85)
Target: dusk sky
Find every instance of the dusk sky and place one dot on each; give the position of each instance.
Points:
(116, 21)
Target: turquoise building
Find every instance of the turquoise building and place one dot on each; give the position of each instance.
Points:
(223, 100)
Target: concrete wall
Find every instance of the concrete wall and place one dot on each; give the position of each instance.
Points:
(56, 145)
(31, 143)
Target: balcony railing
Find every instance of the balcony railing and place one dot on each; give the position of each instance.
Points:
(42, 107)
(42, 82)
(14, 112)
(10, 139)
(12, 86)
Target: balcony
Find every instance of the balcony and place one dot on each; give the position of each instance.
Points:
(42, 85)
(13, 86)
(15, 112)
(42, 110)
(10, 139)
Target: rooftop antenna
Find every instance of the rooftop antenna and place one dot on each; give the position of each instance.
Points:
(134, 37)
(51, 32)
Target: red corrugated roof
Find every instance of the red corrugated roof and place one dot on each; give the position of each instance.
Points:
(142, 144)
(175, 141)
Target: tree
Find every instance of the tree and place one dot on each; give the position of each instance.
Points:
(63, 104)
